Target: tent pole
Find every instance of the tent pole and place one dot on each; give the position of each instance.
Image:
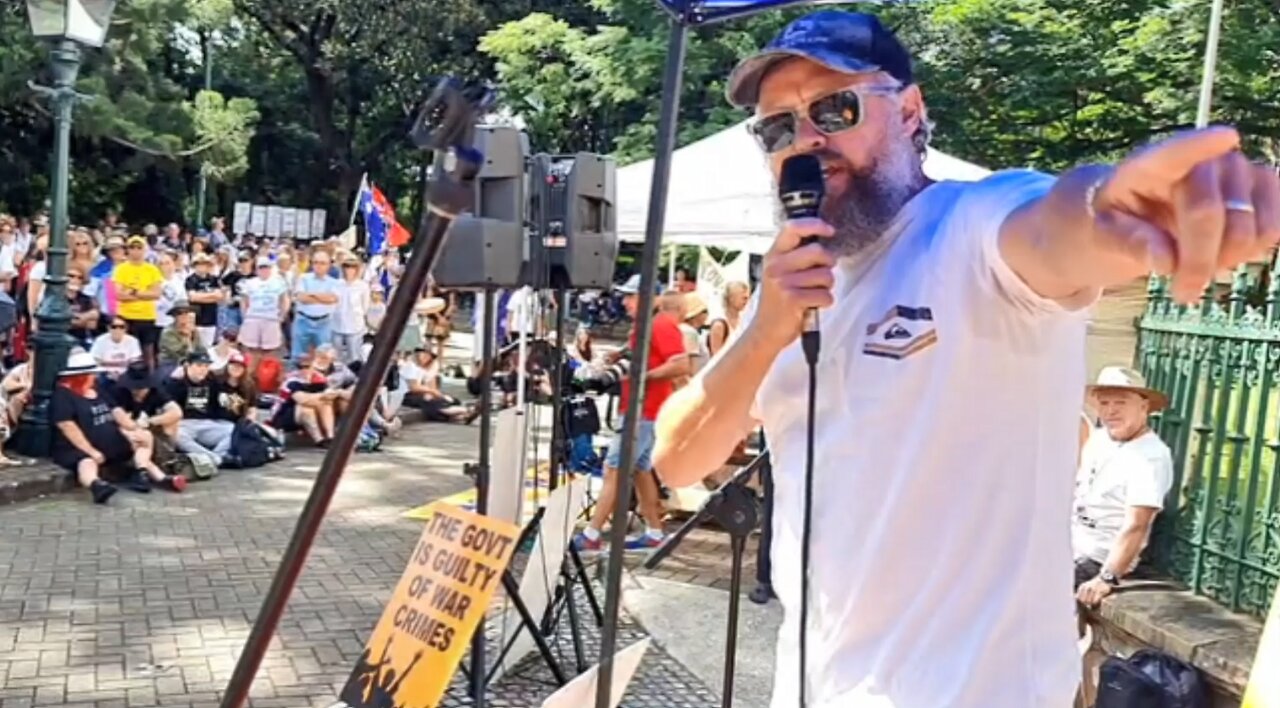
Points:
(674, 255)
(1204, 108)
(671, 82)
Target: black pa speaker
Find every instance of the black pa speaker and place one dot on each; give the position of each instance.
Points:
(488, 247)
(575, 216)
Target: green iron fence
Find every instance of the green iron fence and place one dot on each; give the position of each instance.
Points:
(1220, 364)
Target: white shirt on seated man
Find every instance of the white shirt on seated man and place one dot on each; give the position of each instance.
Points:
(1126, 471)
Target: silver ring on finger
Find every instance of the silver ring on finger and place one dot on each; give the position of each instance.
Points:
(1243, 206)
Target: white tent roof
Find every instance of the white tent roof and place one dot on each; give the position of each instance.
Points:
(721, 192)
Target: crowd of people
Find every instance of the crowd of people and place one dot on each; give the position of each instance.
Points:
(188, 346)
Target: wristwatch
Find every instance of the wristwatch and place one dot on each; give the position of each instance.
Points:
(1109, 578)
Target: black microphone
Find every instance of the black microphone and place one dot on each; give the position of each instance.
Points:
(801, 189)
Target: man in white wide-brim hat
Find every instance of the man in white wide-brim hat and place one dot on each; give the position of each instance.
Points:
(1125, 473)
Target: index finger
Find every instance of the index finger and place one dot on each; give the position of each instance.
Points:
(1173, 159)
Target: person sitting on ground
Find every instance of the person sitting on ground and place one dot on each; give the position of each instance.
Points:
(203, 431)
(117, 349)
(180, 339)
(139, 394)
(305, 403)
(1125, 473)
(17, 392)
(340, 379)
(238, 392)
(228, 344)
(93, 435)
(421, 377)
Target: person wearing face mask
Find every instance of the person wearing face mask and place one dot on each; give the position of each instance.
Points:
(924, 586)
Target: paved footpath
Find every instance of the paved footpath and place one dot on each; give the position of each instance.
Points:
(147, 601)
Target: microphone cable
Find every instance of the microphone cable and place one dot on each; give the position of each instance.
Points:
(810, 342)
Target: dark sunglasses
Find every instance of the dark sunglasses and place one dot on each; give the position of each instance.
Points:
(830, 114)
(119, 326)
(136, 247)
(74, 276)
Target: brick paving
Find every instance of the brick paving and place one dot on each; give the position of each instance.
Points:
(147, 601)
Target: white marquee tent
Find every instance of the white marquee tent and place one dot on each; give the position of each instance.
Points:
(722, 194)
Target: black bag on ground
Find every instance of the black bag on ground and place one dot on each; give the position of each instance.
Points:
(251, 447)
(1150, 679)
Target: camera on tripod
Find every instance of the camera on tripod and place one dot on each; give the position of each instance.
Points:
(606, 380)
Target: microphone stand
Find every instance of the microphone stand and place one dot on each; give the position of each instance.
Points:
(445, 125)
(736, 509)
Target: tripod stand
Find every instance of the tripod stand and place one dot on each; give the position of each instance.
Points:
(735, 508)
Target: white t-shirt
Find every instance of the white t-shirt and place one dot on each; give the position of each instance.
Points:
(264, 298)
(172, 291)
(525, 311)
(410, 371)
(1114, 476)
(947, 404)
(353, 305)
(115, 356)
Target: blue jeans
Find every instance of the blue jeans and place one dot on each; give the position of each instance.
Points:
(309, 334)
(229, 318)
(641, 451)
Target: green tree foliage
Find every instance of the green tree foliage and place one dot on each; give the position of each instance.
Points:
(142, 125)
(1047, 83)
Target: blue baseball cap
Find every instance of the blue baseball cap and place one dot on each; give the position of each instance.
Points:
(848, 42)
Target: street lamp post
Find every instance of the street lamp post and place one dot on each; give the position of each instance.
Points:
(68, 24)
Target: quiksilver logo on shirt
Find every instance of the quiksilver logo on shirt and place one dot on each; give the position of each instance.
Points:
(901, 332)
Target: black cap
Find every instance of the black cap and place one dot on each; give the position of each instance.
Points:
(848, 42)
(198, 357)
(136, 377)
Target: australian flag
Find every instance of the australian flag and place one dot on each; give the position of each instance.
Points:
(380, 223)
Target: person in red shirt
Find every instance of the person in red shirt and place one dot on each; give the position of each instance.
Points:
(667, 362)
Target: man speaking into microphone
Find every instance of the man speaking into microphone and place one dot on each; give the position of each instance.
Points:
(950, 377)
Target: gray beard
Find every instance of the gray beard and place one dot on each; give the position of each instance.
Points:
(872, 200)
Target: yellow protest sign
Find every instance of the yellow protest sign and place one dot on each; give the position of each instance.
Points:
(427, 626)
(1264, 686)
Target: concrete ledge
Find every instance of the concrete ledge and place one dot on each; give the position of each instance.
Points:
(42, 478)
(1163, 616)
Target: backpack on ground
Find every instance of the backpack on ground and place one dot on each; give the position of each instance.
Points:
(194, 466)
(251, 446)
(1150, 679)
(369, 440)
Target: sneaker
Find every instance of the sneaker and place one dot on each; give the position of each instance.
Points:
(174, 483)
(584, 544)
(644, 542)
(102, 491)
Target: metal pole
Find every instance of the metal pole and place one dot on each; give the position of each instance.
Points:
(202, 184)
(427, 246)
(54, 312)
(487, 330)
(1210, 64)
(671, 81)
